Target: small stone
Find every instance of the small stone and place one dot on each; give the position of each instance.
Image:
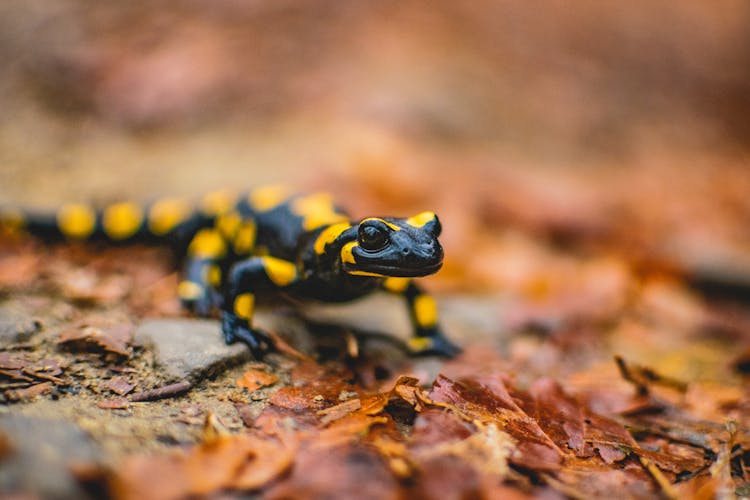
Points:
(16, 325)
(345, 395)
(189, 349)
(40, 453)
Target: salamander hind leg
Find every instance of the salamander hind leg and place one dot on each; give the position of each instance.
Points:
(246, 280)
(428, 337)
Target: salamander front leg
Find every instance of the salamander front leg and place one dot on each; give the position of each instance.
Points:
(428, 336)
(246, 279)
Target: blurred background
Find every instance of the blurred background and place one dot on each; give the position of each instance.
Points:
(608, 129)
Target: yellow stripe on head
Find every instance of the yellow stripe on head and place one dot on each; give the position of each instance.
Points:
(346, 253)
(165, 214)
(421, 219)
(268, 197)
(389, 224)
(244, 305)
(122, 220)
(76, 220)
(218, 202)
(281, 272)
(329, 235)
(425, 311)
(244, 241)
(207, 243)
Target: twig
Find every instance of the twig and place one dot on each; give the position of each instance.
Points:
(666, 487)
(642, 377)
(167, 391)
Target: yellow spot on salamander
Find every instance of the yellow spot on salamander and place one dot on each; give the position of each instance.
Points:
(189, 290)
(228, 224)
(218, 202)
(425, 311)
(122, 220)
(268, 197)
(76, 220)
(396, 285)
(316, 210)
(244, 305)
(367, 273)
(389, 224)
(421, 219)
(166, 214)
(207, 243)
(281, 272)
(346, 253)
(244, 241)
(213, 275)
(329, 235)
(419, 344)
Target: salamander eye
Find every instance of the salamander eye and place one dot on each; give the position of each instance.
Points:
(372, 237)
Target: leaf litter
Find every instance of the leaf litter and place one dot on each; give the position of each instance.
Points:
(608, 376)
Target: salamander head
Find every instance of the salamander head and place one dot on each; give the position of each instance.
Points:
(395, 247)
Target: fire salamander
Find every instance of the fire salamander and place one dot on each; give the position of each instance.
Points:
(240, 247)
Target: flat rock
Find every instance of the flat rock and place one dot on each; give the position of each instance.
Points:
(38, 453)
(189, 349)
(464, 318)
(16, 324)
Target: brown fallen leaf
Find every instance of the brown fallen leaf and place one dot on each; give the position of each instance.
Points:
(45, 369)
(241, 462)
(113, 404)
(338, 411)
(12, 362)
(255, 379)
(348, 471)
(488, 450)
(29, 392)
(488, 403)
(119, 385)
(559, 415)
(92, 338)
(15, 375)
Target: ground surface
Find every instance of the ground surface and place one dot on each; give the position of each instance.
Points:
(589, 167)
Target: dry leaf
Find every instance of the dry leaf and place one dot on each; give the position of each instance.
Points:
(255, 379)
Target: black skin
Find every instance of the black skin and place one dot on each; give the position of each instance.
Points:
(358, 258)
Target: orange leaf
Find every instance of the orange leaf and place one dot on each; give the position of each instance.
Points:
(255, 379)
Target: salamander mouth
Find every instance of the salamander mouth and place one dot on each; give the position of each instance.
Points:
(395, 271)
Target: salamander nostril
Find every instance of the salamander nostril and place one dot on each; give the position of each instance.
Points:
(405, 251)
